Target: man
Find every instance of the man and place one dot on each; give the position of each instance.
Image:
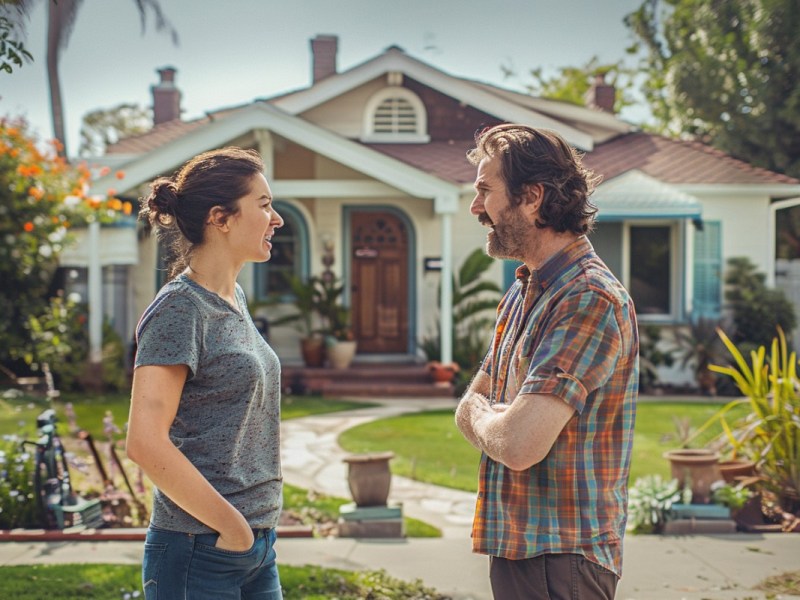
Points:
(552, 407)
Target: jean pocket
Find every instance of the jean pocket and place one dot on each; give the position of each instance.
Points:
(207, 542)
(151, 564)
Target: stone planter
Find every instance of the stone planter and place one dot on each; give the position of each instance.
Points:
(697, 469)
(341, 354)
(442, 374)
(369, 478)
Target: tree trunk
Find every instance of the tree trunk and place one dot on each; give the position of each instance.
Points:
(55, 26)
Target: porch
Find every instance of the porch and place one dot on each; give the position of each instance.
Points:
(365, 380)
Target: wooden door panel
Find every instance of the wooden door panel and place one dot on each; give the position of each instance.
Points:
(379, 292)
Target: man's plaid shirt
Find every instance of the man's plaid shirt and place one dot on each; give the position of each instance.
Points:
(568, 330)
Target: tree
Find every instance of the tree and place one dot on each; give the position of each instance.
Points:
(725, 72)
(570, 84)
(106, 126)
(61, 17)
(12, 50)
(41, 199)
(758, 311)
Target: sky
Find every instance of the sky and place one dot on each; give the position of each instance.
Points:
(233, 51)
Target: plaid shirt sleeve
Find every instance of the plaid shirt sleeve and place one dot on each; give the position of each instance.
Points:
(577, 351)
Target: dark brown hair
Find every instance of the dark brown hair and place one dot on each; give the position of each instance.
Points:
(542, 156)
(178, 206)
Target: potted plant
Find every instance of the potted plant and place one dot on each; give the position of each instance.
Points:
(305, 297)
(442, 373)
(768, 433)
(335, 317)
(696, 469)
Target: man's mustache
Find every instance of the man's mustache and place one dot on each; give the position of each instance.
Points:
(484, 219)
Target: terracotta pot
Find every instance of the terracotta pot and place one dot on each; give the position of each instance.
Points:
(441, 374)
(341, 354)
(739, 467)
(696, 468)
(313, 351)
(369, 478)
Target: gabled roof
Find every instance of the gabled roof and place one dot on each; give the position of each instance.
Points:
(395, 60)
(218, 132)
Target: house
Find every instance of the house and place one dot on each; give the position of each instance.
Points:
(370, 163)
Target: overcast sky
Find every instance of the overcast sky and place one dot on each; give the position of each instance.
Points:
(234, 51)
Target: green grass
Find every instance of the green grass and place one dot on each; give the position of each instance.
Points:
(429, 448)
(109, 582)
(18, 416)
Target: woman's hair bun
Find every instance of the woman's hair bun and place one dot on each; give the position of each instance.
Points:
(163, 197)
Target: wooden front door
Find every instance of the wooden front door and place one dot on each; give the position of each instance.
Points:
(379, 293)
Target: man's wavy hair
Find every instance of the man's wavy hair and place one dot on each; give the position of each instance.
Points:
(530, 156)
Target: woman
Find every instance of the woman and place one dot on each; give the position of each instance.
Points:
(205, 405)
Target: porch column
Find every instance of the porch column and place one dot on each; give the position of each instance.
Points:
(95, 276)
(446, 308)
(266, 150)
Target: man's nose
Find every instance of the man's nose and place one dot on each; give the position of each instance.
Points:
(476, 207)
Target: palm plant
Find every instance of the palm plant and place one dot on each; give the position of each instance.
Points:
(61, 17)
(473, 298)
(770, 433)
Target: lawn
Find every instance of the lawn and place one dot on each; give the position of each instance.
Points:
(18, 415)
(103, 581)
(429, 448)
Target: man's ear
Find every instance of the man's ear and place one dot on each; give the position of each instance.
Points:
(217, 217)
(533, 196)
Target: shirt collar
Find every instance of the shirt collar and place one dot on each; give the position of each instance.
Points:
(557, 264)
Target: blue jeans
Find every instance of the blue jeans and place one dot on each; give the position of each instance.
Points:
(189, 567)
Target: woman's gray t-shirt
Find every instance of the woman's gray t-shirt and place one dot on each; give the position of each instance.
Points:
(228, 419)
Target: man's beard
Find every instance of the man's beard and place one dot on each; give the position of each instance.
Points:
(509, 236)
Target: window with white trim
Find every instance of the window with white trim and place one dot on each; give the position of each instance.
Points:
(652, 269)
(395, 115)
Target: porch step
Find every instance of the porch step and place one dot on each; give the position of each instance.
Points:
(365, 380)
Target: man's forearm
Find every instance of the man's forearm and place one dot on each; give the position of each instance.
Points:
(466, 413)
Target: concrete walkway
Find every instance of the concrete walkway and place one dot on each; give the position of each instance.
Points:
(656, 567)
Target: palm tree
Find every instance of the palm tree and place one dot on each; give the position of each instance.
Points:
(61, 17)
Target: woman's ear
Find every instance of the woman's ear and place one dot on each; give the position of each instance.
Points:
(217, 217)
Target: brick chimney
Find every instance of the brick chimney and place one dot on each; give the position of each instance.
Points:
(601, 95)
(323, 56)
(166, 97)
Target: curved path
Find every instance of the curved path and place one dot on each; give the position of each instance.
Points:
(312, 459)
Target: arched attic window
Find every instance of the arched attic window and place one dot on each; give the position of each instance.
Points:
(395, 114)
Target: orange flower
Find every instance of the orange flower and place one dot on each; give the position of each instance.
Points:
(28, 227)
(36, 193)
(120, 174)
(115, 204)
(127, 208)
(105, 171)
(111, 192)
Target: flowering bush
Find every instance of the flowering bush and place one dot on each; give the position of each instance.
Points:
(41, 198)
(18, 507)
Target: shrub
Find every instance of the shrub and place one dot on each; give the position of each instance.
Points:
(18, 506)
(649, 501)
(758, 311)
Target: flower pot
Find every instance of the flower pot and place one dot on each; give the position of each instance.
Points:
(341, 354)
(697, 469)
(731, 470)
(369, 478)
(313, 351)
(441, 374)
